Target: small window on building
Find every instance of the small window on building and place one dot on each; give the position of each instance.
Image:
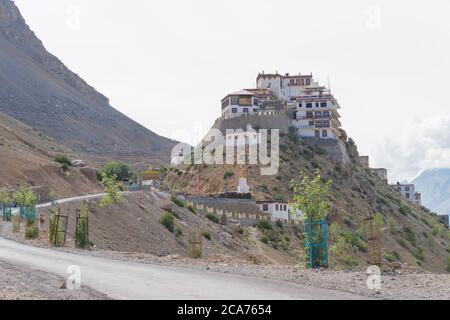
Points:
(255, 102)
(406, 188)
(265, 207)
(326, 124)
(308, 81)
(309, 114)
(407, 195)
(311, 123)
(284, 207)
(309, 105)
(317, 133)
(317, 104)
(318, 124)
(326, 114)
(276, 207)
(245, 110)
(234, 110)
(324, 134)
(318, 114)
(300, 105)
(323, 104)
(235, 101)
(292, 82)
(302, 82)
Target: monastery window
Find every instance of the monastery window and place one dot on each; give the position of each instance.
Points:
(302, 82)
(300, 105)
(311, 123)
(309, 114)
(255, 102)
(324, 133)
(317, 104)
(317, 133)
(318, 124)
(318, 114)
(284, 207)
(308, 81)
(234, 110)
(323, 104)
(326, 124)
(265, 207)
(309, 105)
(235, 101)
(407, 195)
(326, 114)
(245, 110)
(276, 207)
(407, 189)
(291, 82)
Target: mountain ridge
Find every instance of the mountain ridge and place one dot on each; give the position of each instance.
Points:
(37, 89)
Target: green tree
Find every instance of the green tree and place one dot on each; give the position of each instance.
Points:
(25, 197)
(310, 196)
(5, 199)
(119, 170)
(82, 229)
(112, 190)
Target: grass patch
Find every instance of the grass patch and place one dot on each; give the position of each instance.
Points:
(206, 235)
(168, 221)
(213, 218)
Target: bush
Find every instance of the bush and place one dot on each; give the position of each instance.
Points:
(447, 264)
(404, 210)
(178, 232)
(410, 236)
(206, 235)
(264, 225)
(191, 209)
(279, 224)
(177, 201)
(32, 232)
(264, 239)
(168, 221)
(389, 256)
(119, 170)
(227, 175)
(63, 160)
(212, 217)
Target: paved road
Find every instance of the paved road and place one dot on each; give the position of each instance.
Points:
(127, 280)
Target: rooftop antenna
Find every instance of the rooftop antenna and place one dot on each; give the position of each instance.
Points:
(329, 85)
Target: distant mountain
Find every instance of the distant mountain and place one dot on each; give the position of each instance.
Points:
(39, 90)
(435, 188)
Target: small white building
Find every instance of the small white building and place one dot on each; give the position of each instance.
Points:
(279, 210)
(240, 103)
(408, 191)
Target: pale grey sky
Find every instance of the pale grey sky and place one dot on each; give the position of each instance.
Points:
(167, 64)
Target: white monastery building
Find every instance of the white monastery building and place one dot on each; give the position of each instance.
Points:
(314, 108)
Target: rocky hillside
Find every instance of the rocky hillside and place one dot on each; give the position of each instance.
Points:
(435, 188)
(410, 233)
(27, 157)
(39, 90)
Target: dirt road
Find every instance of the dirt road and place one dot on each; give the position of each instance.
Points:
(128, 280)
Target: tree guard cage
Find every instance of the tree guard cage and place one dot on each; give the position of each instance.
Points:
(316, 243)
(28, 213)
(82, 230)
(5, 212)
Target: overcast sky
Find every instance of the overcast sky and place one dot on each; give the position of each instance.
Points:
(167, 64)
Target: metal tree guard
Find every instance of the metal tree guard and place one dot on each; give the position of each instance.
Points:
(316, 242)
(6, 212)
(28, 213)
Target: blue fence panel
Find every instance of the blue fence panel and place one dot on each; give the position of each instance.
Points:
(316, 242)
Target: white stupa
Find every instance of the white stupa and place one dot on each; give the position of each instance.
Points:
(243, 185)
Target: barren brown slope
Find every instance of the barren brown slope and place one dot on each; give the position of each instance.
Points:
(26, 157)
(411, 233)
(39, 90)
